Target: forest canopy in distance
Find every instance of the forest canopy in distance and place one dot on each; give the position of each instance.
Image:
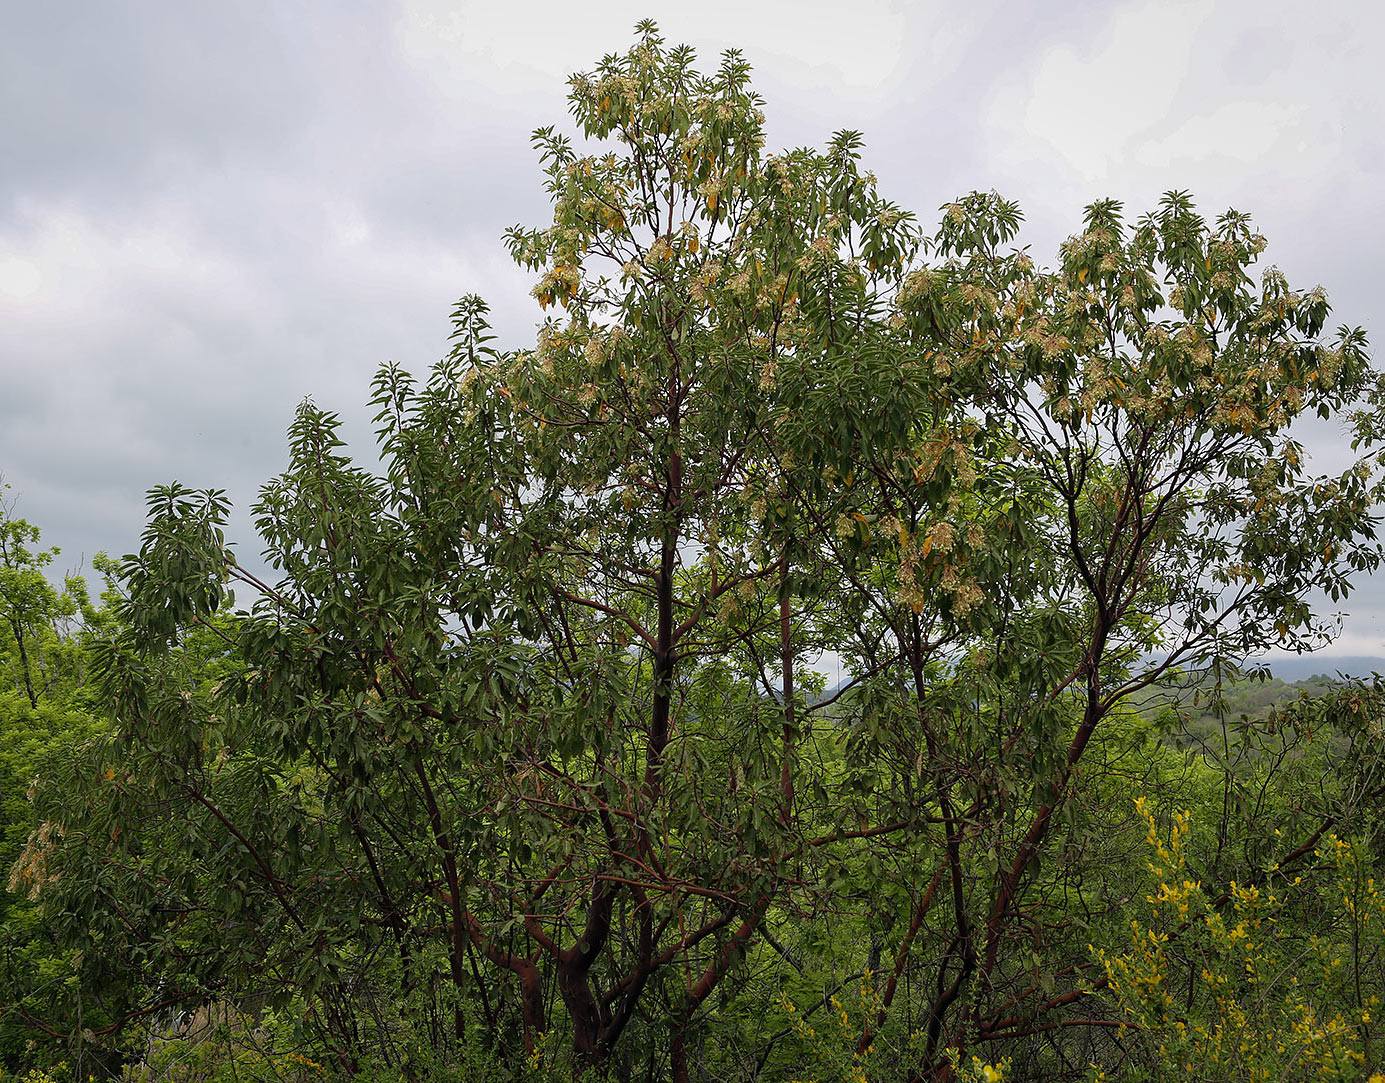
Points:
(520, 763)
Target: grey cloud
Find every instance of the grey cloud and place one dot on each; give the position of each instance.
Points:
(103, 97)
(326, 200)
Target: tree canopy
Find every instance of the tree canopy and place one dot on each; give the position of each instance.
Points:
(527, 734)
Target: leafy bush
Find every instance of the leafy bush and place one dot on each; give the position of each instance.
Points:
(1240, 986)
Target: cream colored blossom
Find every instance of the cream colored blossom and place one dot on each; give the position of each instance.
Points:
(940, 536)
(767, 375)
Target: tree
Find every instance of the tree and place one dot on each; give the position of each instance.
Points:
(36, 615)
(1124, 497)
(526, 731)
(44, 714)
(562, 627)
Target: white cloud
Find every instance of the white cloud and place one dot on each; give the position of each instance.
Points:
(347, 225)
(20, 280)
(1227, 85)
(78, 272)
(1237, 135)
(1086, 104)
(538, 43)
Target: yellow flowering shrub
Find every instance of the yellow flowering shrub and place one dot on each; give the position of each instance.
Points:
(39, 1075)
(835, 1043)
(1217, 988)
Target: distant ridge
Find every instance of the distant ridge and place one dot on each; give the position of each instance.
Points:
(1290, 668)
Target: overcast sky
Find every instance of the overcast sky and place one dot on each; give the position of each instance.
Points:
(210, 211)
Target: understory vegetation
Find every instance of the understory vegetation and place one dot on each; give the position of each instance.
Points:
(518, 763)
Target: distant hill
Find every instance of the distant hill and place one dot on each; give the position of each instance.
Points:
(1192, 696)
(1254, 697)
(1301, 667)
